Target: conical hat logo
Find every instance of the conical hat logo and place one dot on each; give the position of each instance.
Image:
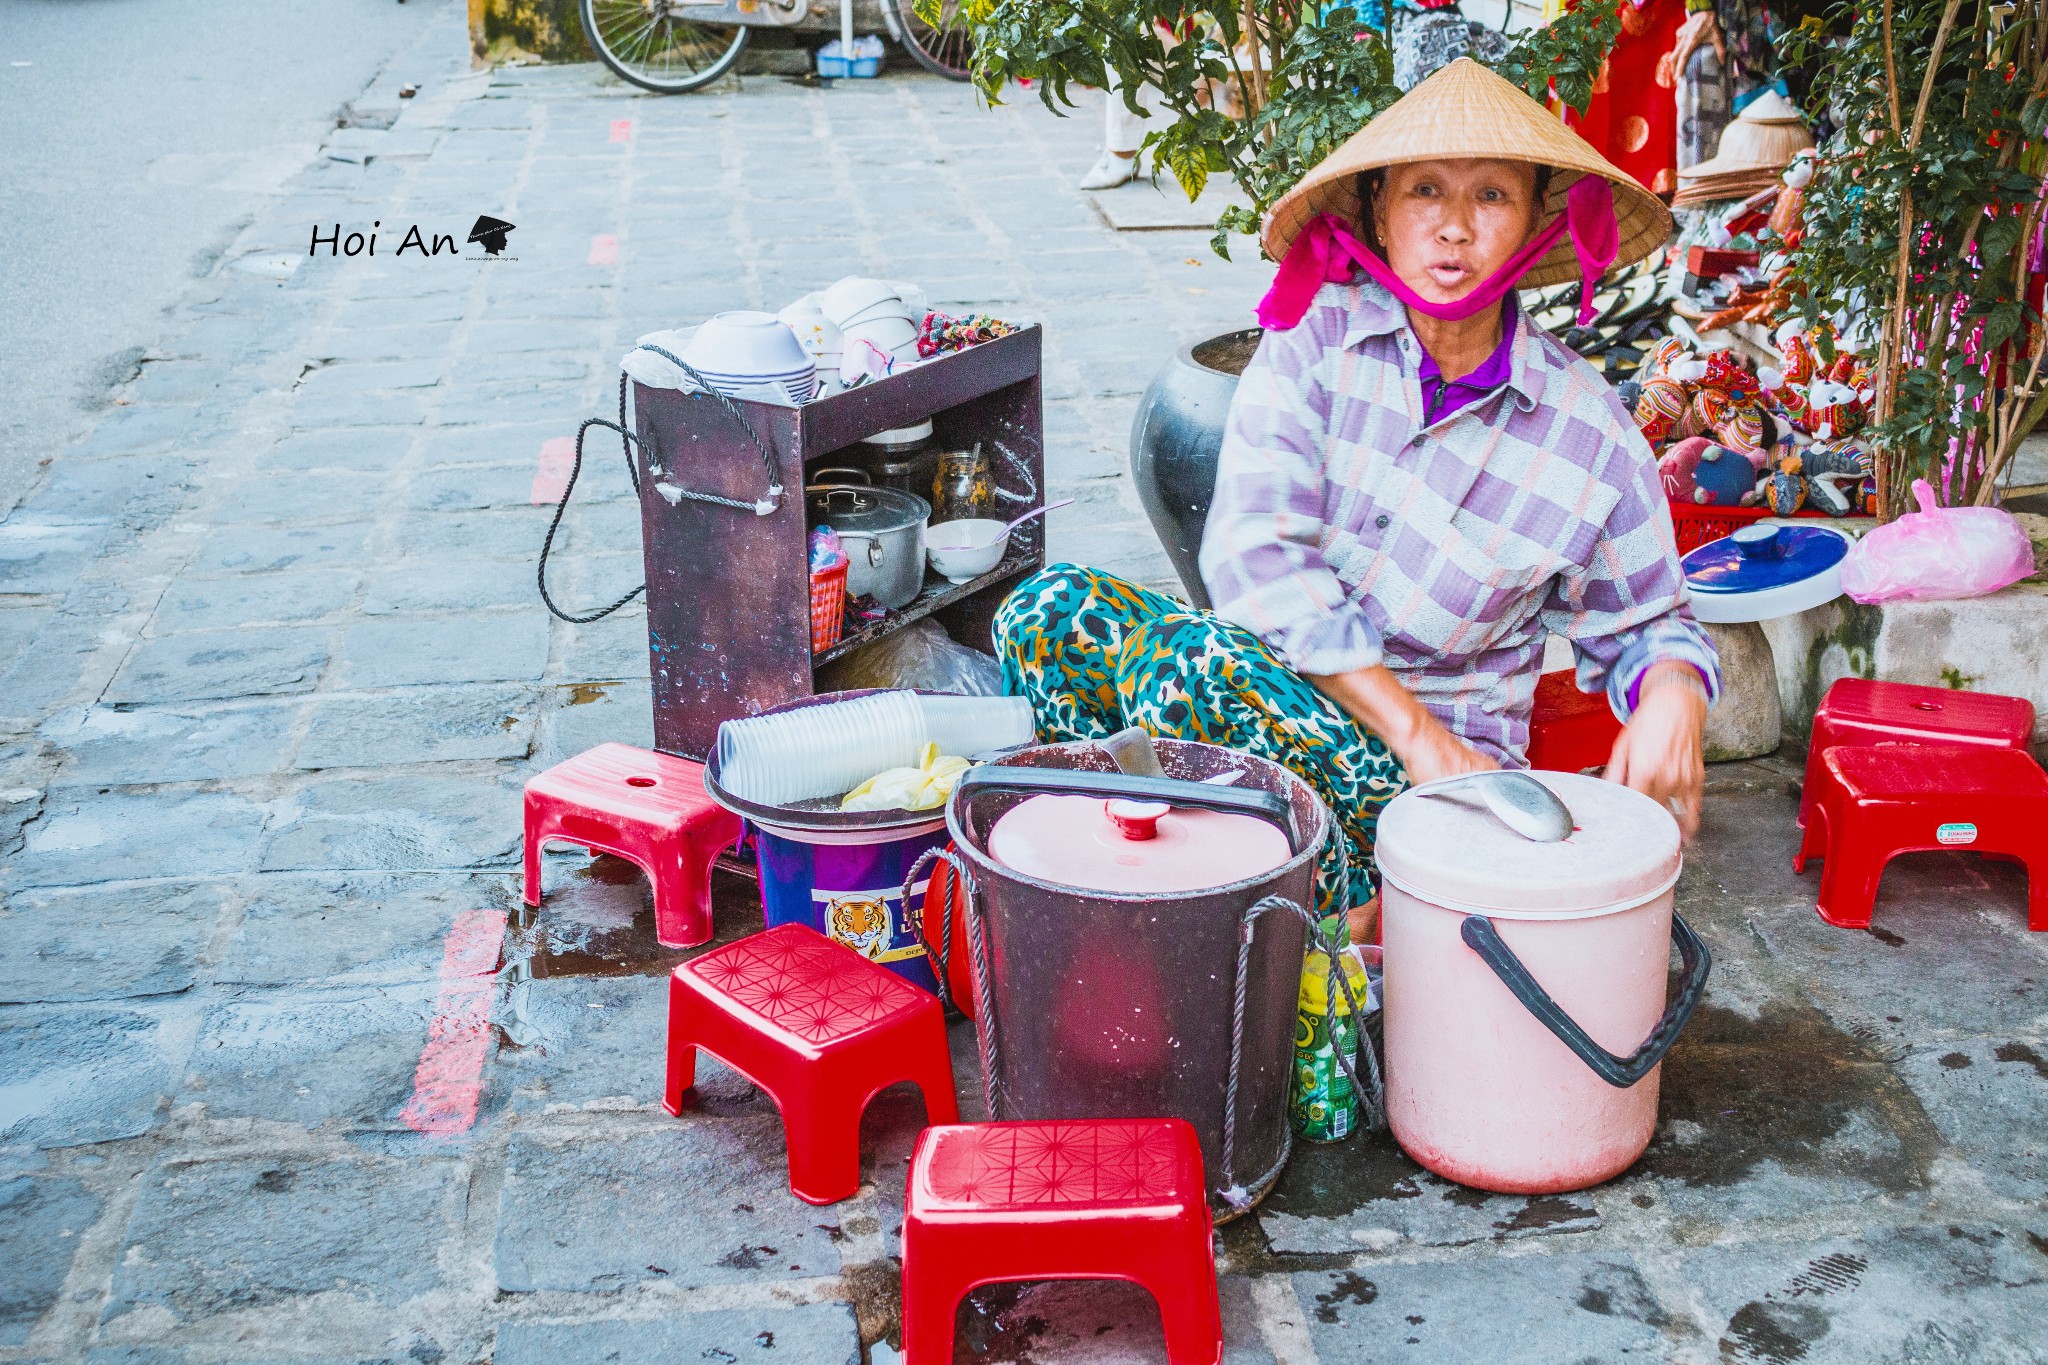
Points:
(490, 233)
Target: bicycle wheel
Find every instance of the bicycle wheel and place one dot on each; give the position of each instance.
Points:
(947, 50)
(651, 44)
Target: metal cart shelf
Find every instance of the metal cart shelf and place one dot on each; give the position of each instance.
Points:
(728, 592)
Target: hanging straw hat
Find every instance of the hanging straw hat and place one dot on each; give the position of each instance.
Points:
(1465, 111)
(1765, 136)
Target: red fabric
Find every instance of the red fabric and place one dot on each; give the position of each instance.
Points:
(1632, 120)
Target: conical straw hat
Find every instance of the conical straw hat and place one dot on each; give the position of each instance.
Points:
(1465, 111)
(1766, 135)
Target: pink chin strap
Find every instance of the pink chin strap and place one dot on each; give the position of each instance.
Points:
(1325, 251)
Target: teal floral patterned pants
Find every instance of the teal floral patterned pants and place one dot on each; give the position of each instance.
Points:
(1095, 654)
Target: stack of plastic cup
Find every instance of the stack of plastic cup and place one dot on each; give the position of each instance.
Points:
(975, 725)
(809, 752)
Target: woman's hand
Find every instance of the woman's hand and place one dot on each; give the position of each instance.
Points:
(1431, 752)
(1375, 699)
(1698, 28)
(1659, 752)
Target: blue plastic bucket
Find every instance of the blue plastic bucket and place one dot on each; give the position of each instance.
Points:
(848, 885)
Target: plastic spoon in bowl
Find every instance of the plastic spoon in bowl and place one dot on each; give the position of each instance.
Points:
(1034, 512)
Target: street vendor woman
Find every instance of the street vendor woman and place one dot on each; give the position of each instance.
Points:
(1417, 487)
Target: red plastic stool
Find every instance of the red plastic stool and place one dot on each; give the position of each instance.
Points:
(1872, 802)
(1083, 1199)
(821, 1029)
(1859, 711)
(647, 807)
(1570, 730)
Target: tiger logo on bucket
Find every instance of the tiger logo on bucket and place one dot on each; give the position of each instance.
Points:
(861, 921)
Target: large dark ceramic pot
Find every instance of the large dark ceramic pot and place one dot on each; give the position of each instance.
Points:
(1175, 440)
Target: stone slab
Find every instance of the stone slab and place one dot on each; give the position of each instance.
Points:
(310, 1058)
(1534, 1310)
(251, 549)
(1986, 644)
(408, 651)
(590, 714)
(119, 747)
(1364, 1194)
(365, 928)
(213, 665)
(41, 1220)
(45, 557)
(213, 1237)
(104, 943)
(75, 1076)
(1953, 1292)
(420, 725)
(1989, 1098)
(220, 603)
(703, 1202)
(1092, 1322)
(816, 1334)
(358, 448)
(85, 837)
(445, 585)
(414, 822)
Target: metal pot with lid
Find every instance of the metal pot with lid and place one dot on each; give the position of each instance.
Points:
(1138, 942)
(882, 530)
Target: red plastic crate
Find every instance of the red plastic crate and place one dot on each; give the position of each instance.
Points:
(1697, 523)
(828, 606)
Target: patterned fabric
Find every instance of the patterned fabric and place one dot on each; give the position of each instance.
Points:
(1428, 41)
(1702, 107)
(1346, 532)
(1095, 654)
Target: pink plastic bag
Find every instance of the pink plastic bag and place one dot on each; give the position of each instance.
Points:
(1938, 552)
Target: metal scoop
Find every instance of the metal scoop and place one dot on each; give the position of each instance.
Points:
(1516, 799)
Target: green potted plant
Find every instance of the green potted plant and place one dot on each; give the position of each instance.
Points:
(1922, 225)
(1260, 92)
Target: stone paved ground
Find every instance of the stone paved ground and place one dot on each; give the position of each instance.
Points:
(275, 671)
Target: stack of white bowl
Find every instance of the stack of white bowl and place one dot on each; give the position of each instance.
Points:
(873, 311)
(735, 351)
(819, 336)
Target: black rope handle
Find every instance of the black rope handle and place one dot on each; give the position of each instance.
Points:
(977, 960)
(627, 440)
(1372, 1099)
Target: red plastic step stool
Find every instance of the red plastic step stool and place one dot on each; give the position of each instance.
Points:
(821, 1029)
(1872, 802)
(1082, 1199)
(1859, 711)
(1570, 730)
(649, 808)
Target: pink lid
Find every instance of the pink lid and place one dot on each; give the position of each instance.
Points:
(1452, 851)
(1075, 841)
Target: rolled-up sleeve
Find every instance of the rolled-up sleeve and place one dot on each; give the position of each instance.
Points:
(1262, 550)
(1624, 606)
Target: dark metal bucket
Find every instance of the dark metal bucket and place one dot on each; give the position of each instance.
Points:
(1103, 1005)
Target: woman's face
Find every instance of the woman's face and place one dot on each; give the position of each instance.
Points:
(1447, 225)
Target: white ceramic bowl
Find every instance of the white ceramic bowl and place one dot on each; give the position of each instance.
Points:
(986, 541)
(745, 343)
(887, 308)
(853, 295)
(816, 333)
(886, 334)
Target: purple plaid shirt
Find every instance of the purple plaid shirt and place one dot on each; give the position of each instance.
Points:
(1346, 531)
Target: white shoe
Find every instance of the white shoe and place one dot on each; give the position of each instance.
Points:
(1109, 171)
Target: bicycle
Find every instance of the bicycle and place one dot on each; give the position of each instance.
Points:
(672, 47)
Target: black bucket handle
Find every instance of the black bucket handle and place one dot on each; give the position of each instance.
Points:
(1483, 938)
(1005, 777)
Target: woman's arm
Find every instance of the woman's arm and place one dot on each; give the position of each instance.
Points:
(1624, 610)
(1375, 699)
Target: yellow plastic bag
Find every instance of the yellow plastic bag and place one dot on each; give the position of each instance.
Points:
(924, 787)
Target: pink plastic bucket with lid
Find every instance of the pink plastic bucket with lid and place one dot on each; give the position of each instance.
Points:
(1525, 985)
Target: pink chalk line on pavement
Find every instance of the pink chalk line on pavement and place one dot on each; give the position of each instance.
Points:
(449, 1078)
(604, 250)
(557, 458)
(622, 130)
